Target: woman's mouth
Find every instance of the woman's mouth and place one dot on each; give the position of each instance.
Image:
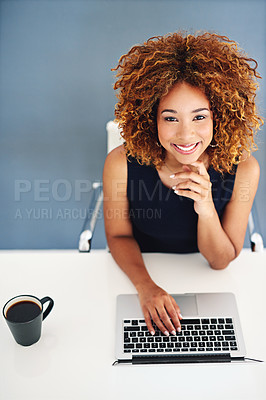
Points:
(186, 148)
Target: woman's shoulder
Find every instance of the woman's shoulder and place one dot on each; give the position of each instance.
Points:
(248, 168)
(116, 157)
(116, 162)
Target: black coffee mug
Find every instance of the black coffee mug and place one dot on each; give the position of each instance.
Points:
(24, 315)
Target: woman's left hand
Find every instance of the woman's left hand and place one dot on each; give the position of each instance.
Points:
(194, 183)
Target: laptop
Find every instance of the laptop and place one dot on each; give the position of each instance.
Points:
(210, 332)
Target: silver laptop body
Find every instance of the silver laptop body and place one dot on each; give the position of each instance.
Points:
(196, 308)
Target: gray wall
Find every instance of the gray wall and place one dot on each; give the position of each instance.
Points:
(56, 97)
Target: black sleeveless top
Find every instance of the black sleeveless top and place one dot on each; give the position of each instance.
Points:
(163, 221)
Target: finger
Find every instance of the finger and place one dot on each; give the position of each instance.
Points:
(190, 195)
(174, 315)
(176, 318)
(186, 168)
(192, 176)
(177, 308)
(148, 321)
(195, 187)
(158, 322)
(203, 188)
(163, 313)
(200, 167)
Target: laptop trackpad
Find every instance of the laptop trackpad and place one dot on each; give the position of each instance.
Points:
(187, 304)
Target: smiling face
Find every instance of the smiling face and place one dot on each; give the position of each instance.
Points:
(185, 124)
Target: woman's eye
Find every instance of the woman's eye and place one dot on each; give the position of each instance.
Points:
(199, 117)
(171, 119)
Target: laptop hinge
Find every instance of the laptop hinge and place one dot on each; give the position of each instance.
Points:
(181, 359)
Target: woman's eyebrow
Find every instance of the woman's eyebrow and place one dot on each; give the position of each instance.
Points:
(169, 110)
(200, 109)
(194, 111)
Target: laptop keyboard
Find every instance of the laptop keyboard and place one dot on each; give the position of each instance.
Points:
(197, 335)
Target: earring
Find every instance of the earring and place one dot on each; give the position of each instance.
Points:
(213, 145)
(158, 143)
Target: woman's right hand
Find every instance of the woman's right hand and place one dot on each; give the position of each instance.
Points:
(159, 306)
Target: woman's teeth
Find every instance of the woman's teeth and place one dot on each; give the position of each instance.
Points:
(186, 147)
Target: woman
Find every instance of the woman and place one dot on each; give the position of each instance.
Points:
(185, 179)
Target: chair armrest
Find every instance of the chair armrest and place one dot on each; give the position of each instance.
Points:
(255, 235)
(88, 228)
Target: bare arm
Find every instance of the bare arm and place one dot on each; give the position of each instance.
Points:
(118, 228)
(155, 302)
(221, 242)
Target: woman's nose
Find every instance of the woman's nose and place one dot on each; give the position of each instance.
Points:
(185, 131)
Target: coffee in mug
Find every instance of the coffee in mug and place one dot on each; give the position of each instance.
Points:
(24, 315)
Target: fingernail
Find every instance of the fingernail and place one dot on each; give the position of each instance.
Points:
(180, 315)
(179, 329)
(173, 187)
(176, 191)
(173, 332)
(172, 176)
(166, 333)
(152, 333)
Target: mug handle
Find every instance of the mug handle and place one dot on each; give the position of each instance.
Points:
(50, 306)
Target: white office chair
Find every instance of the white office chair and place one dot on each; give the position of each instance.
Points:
(114, 139)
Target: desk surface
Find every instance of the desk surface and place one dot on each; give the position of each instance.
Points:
(73, 359)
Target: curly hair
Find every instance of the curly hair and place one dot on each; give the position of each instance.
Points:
(208, 61)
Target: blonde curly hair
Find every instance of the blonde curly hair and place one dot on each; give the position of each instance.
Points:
(208, 61)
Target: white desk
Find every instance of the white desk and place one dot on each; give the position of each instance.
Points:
(73, 359)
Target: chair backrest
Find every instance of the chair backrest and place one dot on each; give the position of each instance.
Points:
(114, 138)
(255, 235)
